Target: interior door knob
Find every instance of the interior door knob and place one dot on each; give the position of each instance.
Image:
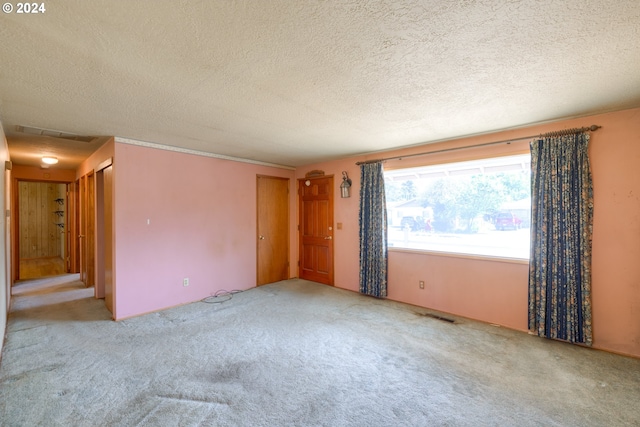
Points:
(261, 237)
(328, 238)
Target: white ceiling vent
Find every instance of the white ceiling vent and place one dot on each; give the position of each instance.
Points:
(54, 133)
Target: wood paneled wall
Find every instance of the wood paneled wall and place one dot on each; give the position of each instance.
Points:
(40, 236)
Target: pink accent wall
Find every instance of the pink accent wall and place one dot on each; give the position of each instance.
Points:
(201, 215)
(496, 291)
(615, 160)
(488, 291)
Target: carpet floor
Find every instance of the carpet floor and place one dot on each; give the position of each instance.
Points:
(294, 353)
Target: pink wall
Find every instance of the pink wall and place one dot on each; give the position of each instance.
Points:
(495, 291)
(615, 156)
(201, 215)
(477, 288)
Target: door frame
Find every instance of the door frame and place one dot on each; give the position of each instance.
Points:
(288, 222)
(82, 230)
(103, 240)
(301, 181)
(90, 239)
(15, 222)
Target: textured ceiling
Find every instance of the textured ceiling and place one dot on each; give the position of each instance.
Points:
(294, 82)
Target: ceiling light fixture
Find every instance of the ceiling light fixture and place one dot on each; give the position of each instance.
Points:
(49, 160)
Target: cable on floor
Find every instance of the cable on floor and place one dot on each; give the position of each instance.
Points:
(220, 296)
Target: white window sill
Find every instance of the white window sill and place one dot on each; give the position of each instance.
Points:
(459, 255)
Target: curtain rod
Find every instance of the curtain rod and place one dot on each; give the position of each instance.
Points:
(571, 131)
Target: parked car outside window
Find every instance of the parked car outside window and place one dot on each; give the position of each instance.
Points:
(507, 221)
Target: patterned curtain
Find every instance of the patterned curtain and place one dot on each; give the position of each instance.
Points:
(373, 231)
(561, 228)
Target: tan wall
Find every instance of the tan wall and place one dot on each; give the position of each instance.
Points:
(496, 291)
(102, 154)
(33, 173)
(5, 238)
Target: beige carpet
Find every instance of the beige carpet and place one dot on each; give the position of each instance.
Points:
(294, 353)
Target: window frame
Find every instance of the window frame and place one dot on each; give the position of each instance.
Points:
(488, 160)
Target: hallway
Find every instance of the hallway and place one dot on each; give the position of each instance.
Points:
(47, 291)
(41, 267)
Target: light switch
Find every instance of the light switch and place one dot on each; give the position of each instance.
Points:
(339, 225)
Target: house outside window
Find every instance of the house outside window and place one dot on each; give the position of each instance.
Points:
(479, 207)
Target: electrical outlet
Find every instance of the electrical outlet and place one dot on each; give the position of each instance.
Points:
(421, 284)
(185, 281)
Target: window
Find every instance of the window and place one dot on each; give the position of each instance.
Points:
(480, 207)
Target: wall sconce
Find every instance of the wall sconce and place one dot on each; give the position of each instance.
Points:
(345, 187)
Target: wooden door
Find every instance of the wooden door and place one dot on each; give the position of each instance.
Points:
(82, 237)
(273, 229)
(107, 218)
(70, 228)
(90, 231)
(316, 229)
(74, 230)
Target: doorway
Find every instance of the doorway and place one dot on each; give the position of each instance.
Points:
(104, 285)
(316, 229)
(87, 229)
(272, 229)
(41, 238)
